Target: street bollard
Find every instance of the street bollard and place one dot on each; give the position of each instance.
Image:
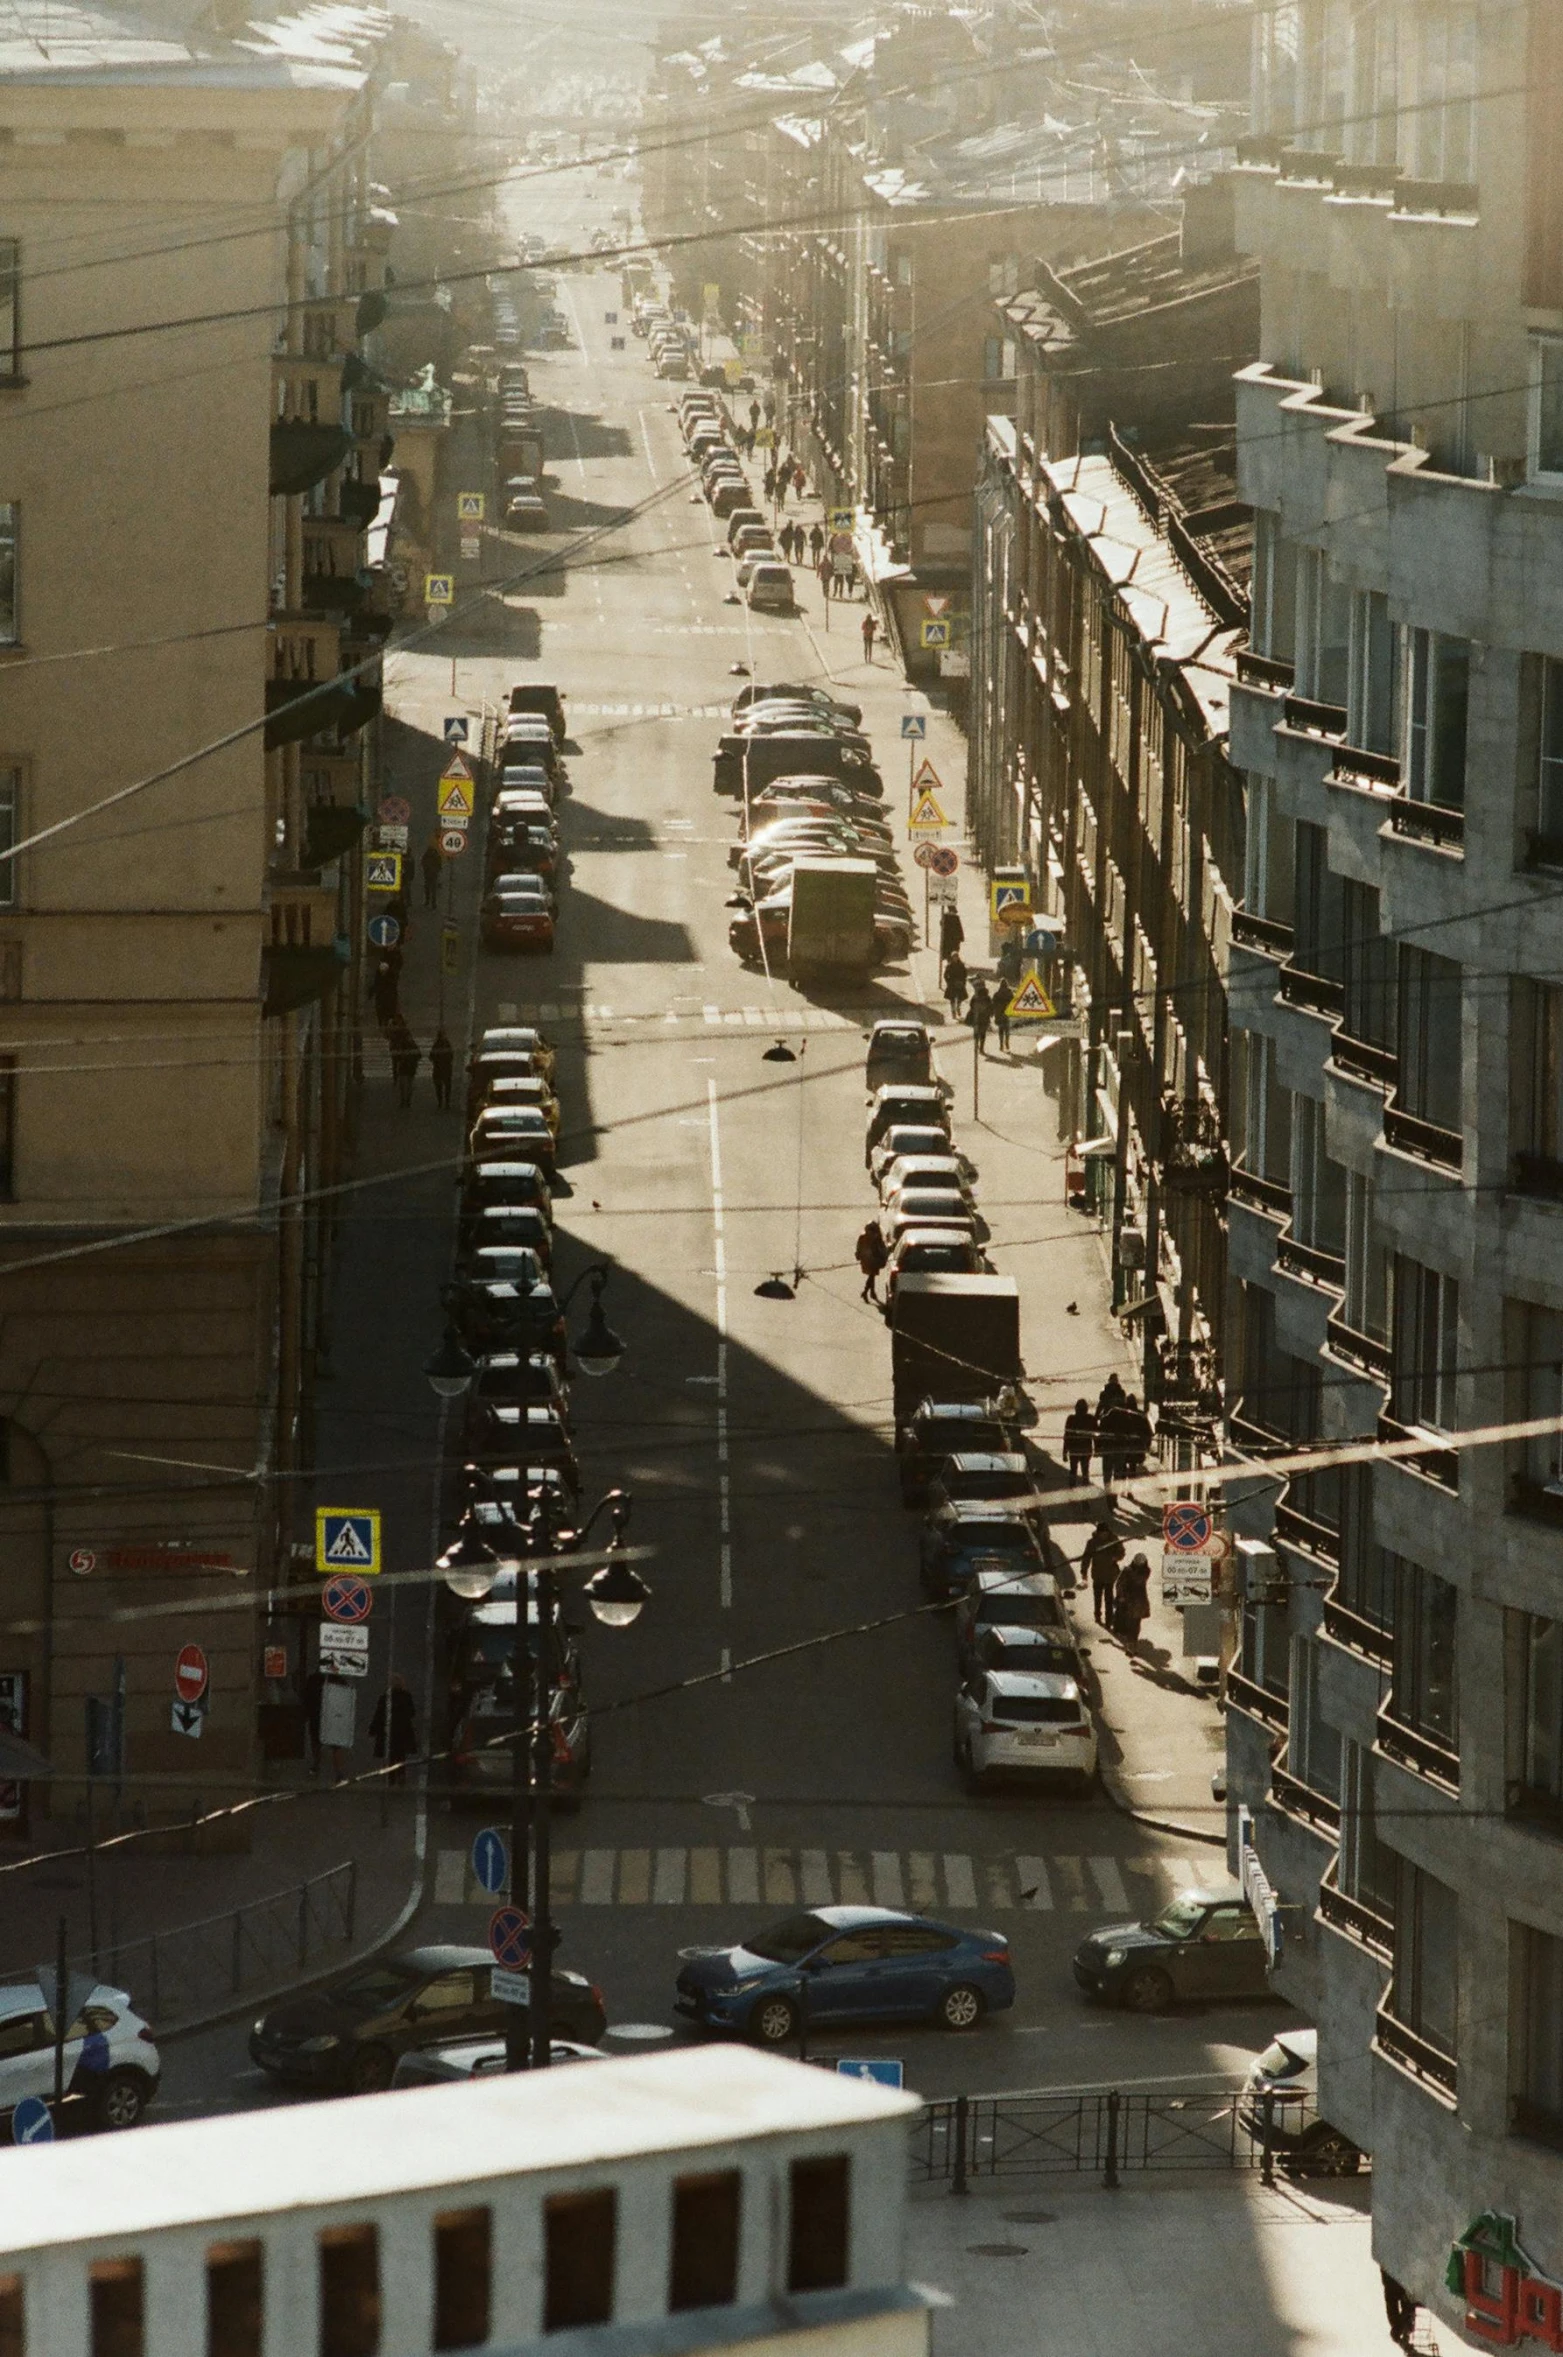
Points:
(958, 2182)
(1267, 2139)
(1110, 2171)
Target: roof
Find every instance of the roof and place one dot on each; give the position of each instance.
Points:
(68, 43)
(267, 2163)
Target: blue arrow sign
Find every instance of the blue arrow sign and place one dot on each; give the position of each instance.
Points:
(32, 2122)
(490, 1861)
(879, 2074)
(384, 932)
(510, 1937)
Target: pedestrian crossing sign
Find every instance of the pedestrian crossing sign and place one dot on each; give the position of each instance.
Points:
(382, 871)
(470, 506)
(347, 1538)
(927, 818)
(1006, 893)
(455, 798)
(439, 589)
(934, 634)
(1029, 1002)
(841, 519)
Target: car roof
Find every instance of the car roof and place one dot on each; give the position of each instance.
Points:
(895, 1027)
(988, 1461)
(1033, 1685)
(1002, 1582)
(1303, 2043)
(914, 1092)
(441, 1957)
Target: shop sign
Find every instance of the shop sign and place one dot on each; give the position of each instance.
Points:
(169, 1556)
(1508, 2301)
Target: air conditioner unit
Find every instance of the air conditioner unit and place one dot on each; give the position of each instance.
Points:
(1131, 1247)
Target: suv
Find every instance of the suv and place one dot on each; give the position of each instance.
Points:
(941, 1428)
(1023, 1723)
(999, 1597)
(112, 2096)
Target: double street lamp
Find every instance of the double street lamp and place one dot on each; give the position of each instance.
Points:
(597, 1348)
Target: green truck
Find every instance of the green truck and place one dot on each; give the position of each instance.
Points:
(952, 1337)
(830, 930)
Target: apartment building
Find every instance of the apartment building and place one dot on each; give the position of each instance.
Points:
(711, 2200)
(1109, 604)
(1395, 1725)
(191, 440)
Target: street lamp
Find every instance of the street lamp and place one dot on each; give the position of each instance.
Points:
(597, 1348)
(452, 1367)
(468, 1567)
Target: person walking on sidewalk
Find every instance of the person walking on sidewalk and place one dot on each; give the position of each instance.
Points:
(430, 864)
(870, 633)
(770, 482)
(816, 541)
(1131, 1600)
(955, 979)
(800, 481)
(1137, 1434)
(394, 1728)
(405, 1058)
(1079, 1441)
(872, 1253)
(754, 417)
(1001, 1006)
(1116, 1433)
(951, 931)
(1101, 1563)
(980, 1013)
(386, 992)
(1400, 2308)
(1111, 1395)
(442, 1069)
(770, 409)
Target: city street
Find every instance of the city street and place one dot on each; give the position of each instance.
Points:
(753, 1431)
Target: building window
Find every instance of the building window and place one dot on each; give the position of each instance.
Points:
(580, 2233)
(1269, 882)
(1423, 1689)
(1318, 1182)
(10, 307)
(1547, 439)
(7, 1129)
(1427, 1929)
(1371, 693)
(1366, 1305)
(235, 2300)
(10, 596)
(350, 2292)
(1367, 1869)
(1323, 632)
(1445, 115)
(703, 2270)
(820, 2231)
(463, 2263)
(1548, 722)
(1259, 1402)
(1430, 1037)
(1536, 1717)
(1536, 1073)
(1536, 1392)
(1314, 1752)
(1367, 967)
(10, 806)
(1274, 589)
(1536, 2033)
(1316, 913)
(1438, 691)
(117, 2308)
(1366, 1585)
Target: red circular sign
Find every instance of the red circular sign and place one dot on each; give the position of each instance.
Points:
(83, 1560)
(924, 854)
(395, 811)
(190, 1674)
(945, 860)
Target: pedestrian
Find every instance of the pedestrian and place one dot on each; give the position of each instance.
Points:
(783, 484)
(870, 633)
(442, 1068)
(405, 1058)
(823, 570)
(955, 981)
(1101, 1563)
(1079, 1441)
(1400, 2308)
(980, 1013)
(800, 481)
(1116, 1435)
(770, 409)
(430, 864)
(1001, 1008)
(817, 541)
(1131, 1599)
(1137, 1434)
(1111, 1395)
(394, 1728)
(754, 417)
(795, 542)
(770, 482)
(951, 931)
(872, 1253)
(386, 993)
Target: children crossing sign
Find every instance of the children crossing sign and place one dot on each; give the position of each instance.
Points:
(1030, 1002)
(347, 1538)
(927, 817)
(455, 799)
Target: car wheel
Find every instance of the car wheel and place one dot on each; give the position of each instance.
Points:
(122, 2100)
(961, 2008)
(1146, 1990)
(773, 2021)
(1325, 2152)
(370, 2070)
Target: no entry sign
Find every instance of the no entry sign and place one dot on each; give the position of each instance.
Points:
(190, 1674)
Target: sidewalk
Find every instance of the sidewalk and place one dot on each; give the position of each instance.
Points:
(1181, 2265)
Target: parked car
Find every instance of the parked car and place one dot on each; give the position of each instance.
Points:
(1288, 2072)
(517, 919)
(916, 1103)
(770, 590)
(937, 1429)
(846, 1964)
(519, 1038)
(969, 1540)
(508, 1182)
(527, 1432)
(539, 696)
(1000, 1597)
(997, 1474)
(526, 511)
(507, 1225)
(349, 2034)
(502, 1300)
(799, 691)
(507, 1132)
(740, 519)
(899, 1051)
(948, 1173)
(477, 2058)
(1023, 1723)
(954, 1251)
(931, 1207)
(1012, 1645)
(1203, 1944)
(523, 1092)
(111, 2098)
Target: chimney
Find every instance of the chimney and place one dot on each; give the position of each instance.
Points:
(1209, 228)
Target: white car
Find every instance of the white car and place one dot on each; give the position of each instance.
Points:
(911, 1171)
(1288, 2070)
(909, 1138)
(475, 2058)
(1023, 1723)
(770, 590)
(116, 2095)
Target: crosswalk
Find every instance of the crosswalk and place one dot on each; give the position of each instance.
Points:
(580, 709)
(711, 1018)
(925, 1880)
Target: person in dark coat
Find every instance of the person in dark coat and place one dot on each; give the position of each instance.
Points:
(386, 993)
(951, 931)
(955, 983)
(1131, 1600)
(816, 542)
(405, 1058)
(1399, 2308)
(770, 482)
(980, 1013)
(1101, 1562)
(442, 1067)
(1111, 1395)
(872, 1253)
(394, 1727)
(1116, 1434)
(430, 862)
(1137, 1434)
(1079, 1441)
(1001, 998)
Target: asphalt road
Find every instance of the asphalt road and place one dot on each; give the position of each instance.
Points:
(753, 1431)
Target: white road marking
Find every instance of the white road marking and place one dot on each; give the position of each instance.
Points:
(889, 1889)
(959, 1882)
(597, 1878)
(956, 1882)
(667, 1888)
(1032, 1873)
(1108, 1880)
(723, 1471)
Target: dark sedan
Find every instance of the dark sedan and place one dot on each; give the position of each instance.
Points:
(846, 1964)
(1204, 1944)
(347, 2036)
(976, 1535)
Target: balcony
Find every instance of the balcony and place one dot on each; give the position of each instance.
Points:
(1428, 1141)
(1312, 1263)
(1257, 1702)
(1437, 823)
(1300, 1530)
(302, 455)
(1266, 934)
(1363, 1059)
(1433, 1464)
(1359, 1636)
(1265, 671)
(1358, 1350)
(1196, 1161)
(1295, 1800)
(1427, 1756)
(1321, 994)
(1428, 2064)
(1357, 768)
(1313, 719)
(1536, 1501)
(1270, 1196)
(305, 391)
(1439, 200)
(1354, 1920)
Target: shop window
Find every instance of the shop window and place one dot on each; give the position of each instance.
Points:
(463, 2275)
(580, 2233)
(235, 2300)
(350, 2292)
(1536, 2032)
(819, 2235)
(703, 2271)
(116, 2301)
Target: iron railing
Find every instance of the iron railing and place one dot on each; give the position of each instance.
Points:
(195, 1967)
(1106, 2132)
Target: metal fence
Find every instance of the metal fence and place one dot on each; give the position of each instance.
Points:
(195, 1967)
(1109, 2132)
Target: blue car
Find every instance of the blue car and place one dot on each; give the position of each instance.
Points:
(846, 1964)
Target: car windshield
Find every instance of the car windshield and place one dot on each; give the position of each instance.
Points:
(951, 1434)
(1175, 1922)
(785, 1942)
(939, 1256)
(367, 1992)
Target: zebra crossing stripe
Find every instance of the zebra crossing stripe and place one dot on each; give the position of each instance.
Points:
(960, 1887)
(1035, 1889)
(1108, 1880)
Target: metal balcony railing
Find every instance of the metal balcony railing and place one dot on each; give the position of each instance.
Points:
(1416, 2055)
(1359, 1350)
(1433, 1463)
(1429, 1141)
(1361, 1923)
(1428, 1756)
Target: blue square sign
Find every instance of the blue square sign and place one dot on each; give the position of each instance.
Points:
(879, 2074)
(347, 1538)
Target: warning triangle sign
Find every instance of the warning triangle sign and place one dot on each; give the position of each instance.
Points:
(1030, 1002)
(926, 779)
(935, 605)
(457, 766)
(347, 1546)
(926, 814)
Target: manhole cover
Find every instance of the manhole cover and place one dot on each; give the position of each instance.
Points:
(1031, 2217)
(997, 2250)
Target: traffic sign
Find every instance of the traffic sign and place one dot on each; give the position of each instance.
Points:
(382, 871)
(841, 519)
(453, 841)
(471, 506)
(346, 1597)
(344, 1653)
(1186, 1526)
(914, 725)
(926, 779)
(927, 816)
(923, 853)
(384, 932)
(32, 2122)
(347, 1538)
(936, 605)
(510, 1937)
(509, 1988)
(1185, 1579)
(1009, 892)
(944, 859)
(1029, 1002)
(395, 811)
(439, 589)
(81, 1560)
(190, 1673)
(490, 1861)
(934, 634)
(189, 1718)
(457, 766)
(879, 2073)
(455, 798)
